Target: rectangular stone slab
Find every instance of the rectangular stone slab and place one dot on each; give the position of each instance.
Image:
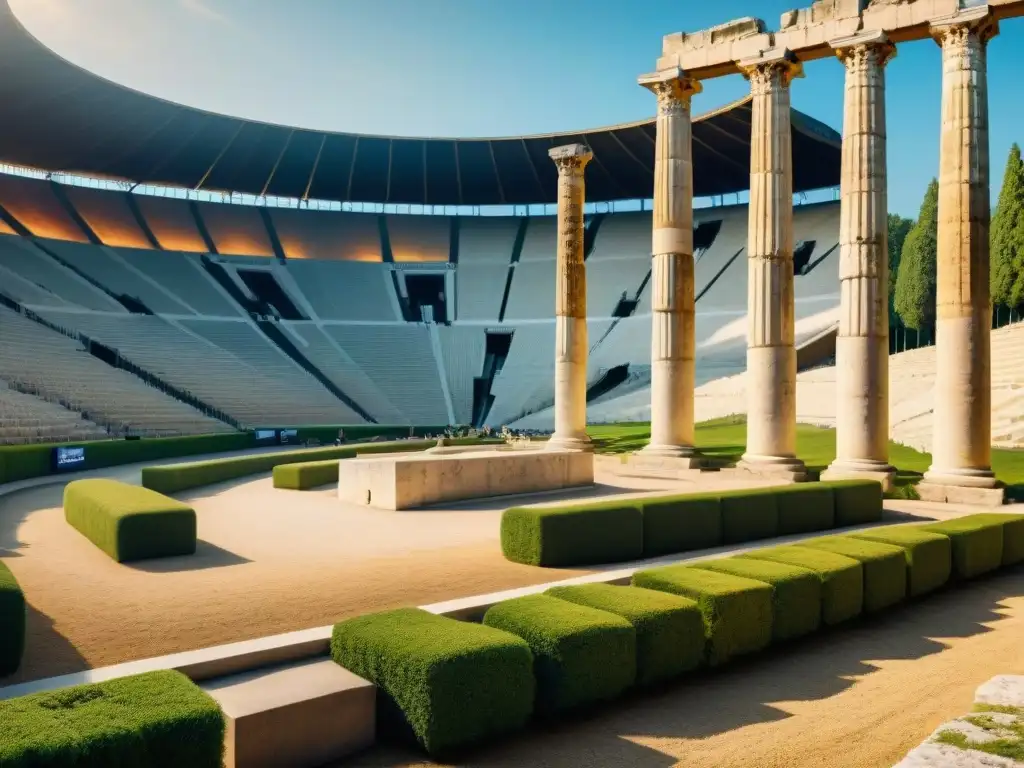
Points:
(300, 715)
(415, 480)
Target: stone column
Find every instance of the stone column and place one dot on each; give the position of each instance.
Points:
(570, 303)
(771, 355)
(672, 331)
(962, 419)
(862, 345)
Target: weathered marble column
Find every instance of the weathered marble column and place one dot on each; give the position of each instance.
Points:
(962, 432)
(672, 331)
(570, 303)
(771, 355)
(862, 345)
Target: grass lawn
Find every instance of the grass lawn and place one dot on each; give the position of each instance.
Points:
(724, 439)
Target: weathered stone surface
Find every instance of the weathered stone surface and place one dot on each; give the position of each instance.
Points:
(1004, 690)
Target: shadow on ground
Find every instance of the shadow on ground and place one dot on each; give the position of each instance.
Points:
(207, 556)
(45, 648)
(745, 692)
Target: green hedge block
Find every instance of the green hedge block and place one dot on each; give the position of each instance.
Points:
(669, 628)
(19, 462)
(796, 592)
(306, 475)
(749, 514)
(977, 545)
(157, 720)
(805, 507)
(1013, 534)
(12, 622)
(128, 522)
(581, 655)
(885, 568)
(928, 555)
(842, 578)
(737, 612)
(578, 534)
(857, 502)
(448, 684)
(681, 523)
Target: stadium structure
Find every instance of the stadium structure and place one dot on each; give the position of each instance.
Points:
(166, 270)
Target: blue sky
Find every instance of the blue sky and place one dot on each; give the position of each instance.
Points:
(477, 67)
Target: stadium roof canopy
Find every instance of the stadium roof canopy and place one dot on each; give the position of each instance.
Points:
(60, 117)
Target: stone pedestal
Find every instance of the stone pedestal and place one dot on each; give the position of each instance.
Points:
(862, 344)
(962, 438)
(672, 287)
(771, 354)
(570, 303)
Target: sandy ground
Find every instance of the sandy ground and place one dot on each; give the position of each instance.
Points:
(268, 561)
(859, 697)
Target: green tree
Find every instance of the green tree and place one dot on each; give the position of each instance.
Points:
(1007, 236)
(898, 229)
(915, 280)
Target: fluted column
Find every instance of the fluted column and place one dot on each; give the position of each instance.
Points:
(771, 355)
(672, 316)
(862, 345)
(962, 432)
(570, 303)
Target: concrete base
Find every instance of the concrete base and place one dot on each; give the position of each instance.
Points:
(654, 464)
(579, 444)
(299, 716)
(883, 473)
(959, 494)
(417, 480)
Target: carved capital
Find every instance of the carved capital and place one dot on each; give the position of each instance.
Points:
(571, 159)
(864, 51)
(771, 71)
(965, 30)
(673, 88)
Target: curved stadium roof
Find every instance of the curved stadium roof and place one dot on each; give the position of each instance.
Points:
(60, 117)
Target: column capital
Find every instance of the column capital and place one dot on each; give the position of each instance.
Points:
(957, 28)
(673, 87)
(855, 51)
(571, 158)
(777, 67)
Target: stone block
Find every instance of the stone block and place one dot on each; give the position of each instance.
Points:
(1003, 691)
(958, 494)
(296, 716)
(415, 480)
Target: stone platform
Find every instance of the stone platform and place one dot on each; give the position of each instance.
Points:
(410, 480)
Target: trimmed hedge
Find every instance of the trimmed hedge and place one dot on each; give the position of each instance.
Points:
(669, 628)
(20, 462)
(749, 514)
(306, 474)
(805, 507)
(581, 655)
(681, 523)
(1013, 534)
(157, 720)
(857, 502)
(977, 545)
(796, 592)
(128, 522)
(448, 684)
(12, 622)
(885, 568)
(737, 611)
(577, 534)
(928, 555)
(842, 578)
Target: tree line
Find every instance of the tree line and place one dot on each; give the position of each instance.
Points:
(913, 252)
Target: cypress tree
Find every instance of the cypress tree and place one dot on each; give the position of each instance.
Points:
(1007, 236)
(898, 229)
(915, 280)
